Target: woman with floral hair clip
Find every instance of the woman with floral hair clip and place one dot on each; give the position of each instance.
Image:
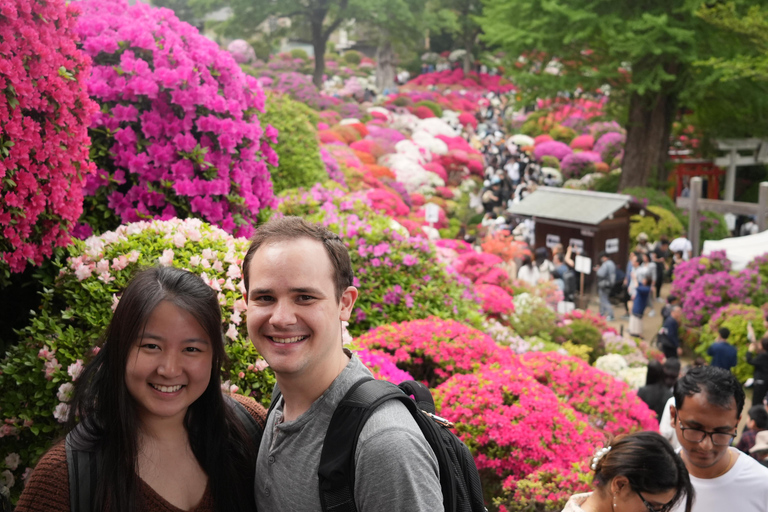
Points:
(638, 472)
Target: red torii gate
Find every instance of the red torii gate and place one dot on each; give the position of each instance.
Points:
(685, 169)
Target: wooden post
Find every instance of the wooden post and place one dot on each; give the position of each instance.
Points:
(762, 206)
(694, 233)
(730, 176)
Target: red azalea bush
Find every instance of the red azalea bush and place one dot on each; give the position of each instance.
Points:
(433, 349)
(44, 116)
(503, 244)
(609, 403)
(512, 424)
(584, 142)
(178, 133)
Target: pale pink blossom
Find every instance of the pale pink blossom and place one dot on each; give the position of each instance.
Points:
(261, 365)
(195, 260)
(166, 259)
(236, 318)
(115, 302)
(205, 263)
(218, 266)
(46, 353)
(133, 256)
(61, 412)
(179, 240)
(232, 332)
(12, 461)
(241, 375)
(7, 479)
(26, 474)
(51, 367)
(229, 286)
(102, 266)
(83, 272)
(106, 277)
(208, 254)
(233, 272)
(75, 369)
(7, 430)
(240, 306)
(65, 392)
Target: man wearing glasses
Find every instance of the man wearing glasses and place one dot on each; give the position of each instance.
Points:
(709, 402)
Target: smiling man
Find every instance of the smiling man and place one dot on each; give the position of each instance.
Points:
(708, 407)
(298, 280)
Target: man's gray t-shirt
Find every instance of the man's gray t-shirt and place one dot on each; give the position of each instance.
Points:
(395, 468)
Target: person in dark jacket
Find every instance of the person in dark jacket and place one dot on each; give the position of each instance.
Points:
(655, 393)
(670, 332)
(723, 354)
(757, 356)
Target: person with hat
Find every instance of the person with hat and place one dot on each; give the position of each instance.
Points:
(642, 243)
(760, 450)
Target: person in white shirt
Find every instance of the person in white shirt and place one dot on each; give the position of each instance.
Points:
(682, 244)
(709, 402)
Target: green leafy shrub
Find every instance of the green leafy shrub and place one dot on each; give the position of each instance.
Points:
(431, 105)
(532, 316)
(582, 332)
(655, 197)
(562, 133)
(298, 150)
(736, 317)
(352, 57)
(402, 101)
(607, 183)
(550, 161)
(713, 227)
(36, 375)
(299, 53)
(399, 275)
(668, 225)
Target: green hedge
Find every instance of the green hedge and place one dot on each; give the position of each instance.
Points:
(297, 146)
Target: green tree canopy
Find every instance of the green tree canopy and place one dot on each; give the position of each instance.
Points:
(646, 51)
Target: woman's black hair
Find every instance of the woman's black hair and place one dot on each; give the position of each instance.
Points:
(649, 463)
(108, 412)
(526, 261)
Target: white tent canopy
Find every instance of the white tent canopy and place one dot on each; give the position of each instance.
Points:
(740, 250)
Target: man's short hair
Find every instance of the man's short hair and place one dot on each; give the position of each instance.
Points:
(764, 343)
(672, 298)
(724, 332)
(759, 415)
(294, 228)
(719, 385)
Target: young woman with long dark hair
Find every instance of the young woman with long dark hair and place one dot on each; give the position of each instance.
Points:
(150, 405)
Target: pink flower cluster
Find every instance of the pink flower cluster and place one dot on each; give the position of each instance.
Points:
(609, 404)
(44, 115)
(382, 367)
(177, 132)
(456, 77)
(577, 165)
(553, 148)
(688, 272)
(433, 349)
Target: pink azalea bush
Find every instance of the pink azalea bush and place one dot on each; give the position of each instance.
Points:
(496, 300)
(474, 265)
(709, 293)
(610, 145)
(577, 165)
(382, 366)
(433, 349)
(553, 148)
(178, 132)
(512, 424)
(609, 404)
(583, 142)
(44, 116)
(688, 272)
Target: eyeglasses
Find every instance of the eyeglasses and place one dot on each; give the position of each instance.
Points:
(696, 435)
(662, 508)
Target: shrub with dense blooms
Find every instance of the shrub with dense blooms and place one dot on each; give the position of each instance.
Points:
(399, 274)
(545, 490)
(710, 292)
(178, 133)
(44, 116)
(610, 404)
(576, 165)
(433, 349)
(759, 265)
(512, 424)
(553, 148)
(610, 145)
(382, 366)
(532, 316)
(736, 317)
(688, 272)
(37, 374)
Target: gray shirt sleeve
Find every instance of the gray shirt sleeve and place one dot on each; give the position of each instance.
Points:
(395, 468)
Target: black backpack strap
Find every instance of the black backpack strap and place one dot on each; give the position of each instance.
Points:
(420, 393)
(83, 467)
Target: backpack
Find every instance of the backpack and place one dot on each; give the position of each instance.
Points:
(459, 478)
(84, 463)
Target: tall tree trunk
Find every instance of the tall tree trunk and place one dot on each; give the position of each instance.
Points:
(469, 46)
(319, 40)
(648, 129)
(385, 66)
